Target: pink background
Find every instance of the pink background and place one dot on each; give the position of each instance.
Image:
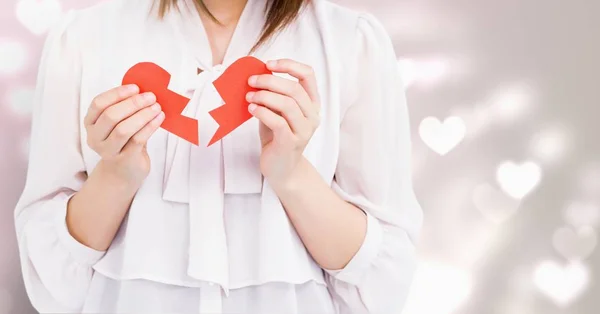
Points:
(519, 77)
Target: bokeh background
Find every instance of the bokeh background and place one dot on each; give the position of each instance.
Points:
(503, 98)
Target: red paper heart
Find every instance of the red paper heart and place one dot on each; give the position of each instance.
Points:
(233, 87)
(150, 77)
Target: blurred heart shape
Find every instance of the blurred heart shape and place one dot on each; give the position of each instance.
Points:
(442, 137)
(494, 205)
(38, 16)
(575, 245)
(581, 214)
(518, 180)
(13, 57)
(562, 284)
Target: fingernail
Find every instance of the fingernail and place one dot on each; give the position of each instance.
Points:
(156, 107)
(132, 88)
(272, 63)
(252, 80)
(149, 97)
(249, 96)
(251, 108)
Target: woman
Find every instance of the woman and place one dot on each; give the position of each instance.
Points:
(306, 208)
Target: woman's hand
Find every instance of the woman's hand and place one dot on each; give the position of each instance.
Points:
(119, 123)
(289, 115)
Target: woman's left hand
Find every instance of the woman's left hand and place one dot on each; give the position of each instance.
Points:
(288, 112)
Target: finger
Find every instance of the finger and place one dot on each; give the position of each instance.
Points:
(121, 134)
(139, 140)
(276, 123)
(107, 99)
(284, 105)
(304, 73)
(286, 87)
(113, 115)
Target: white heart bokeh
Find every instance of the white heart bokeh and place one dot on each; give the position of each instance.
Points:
(449, 286)
(494, 205)
(518, 180)
(38, 16)
(442, 137)
(563, 284)
(20, 100)
(575, 245)
(581, 214)
(13, 57)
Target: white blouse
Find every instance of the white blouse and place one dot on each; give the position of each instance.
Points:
(205, 233)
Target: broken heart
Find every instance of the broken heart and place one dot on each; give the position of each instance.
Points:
(150, 77)
(232, 85)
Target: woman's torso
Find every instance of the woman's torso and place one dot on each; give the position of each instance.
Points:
(156, 238)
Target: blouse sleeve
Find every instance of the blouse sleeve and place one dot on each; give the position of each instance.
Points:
(374, 174)
(56, 268)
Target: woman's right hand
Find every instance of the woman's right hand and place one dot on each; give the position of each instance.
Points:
(119, 123)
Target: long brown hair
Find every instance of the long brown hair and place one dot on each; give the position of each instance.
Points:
(280, 13)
